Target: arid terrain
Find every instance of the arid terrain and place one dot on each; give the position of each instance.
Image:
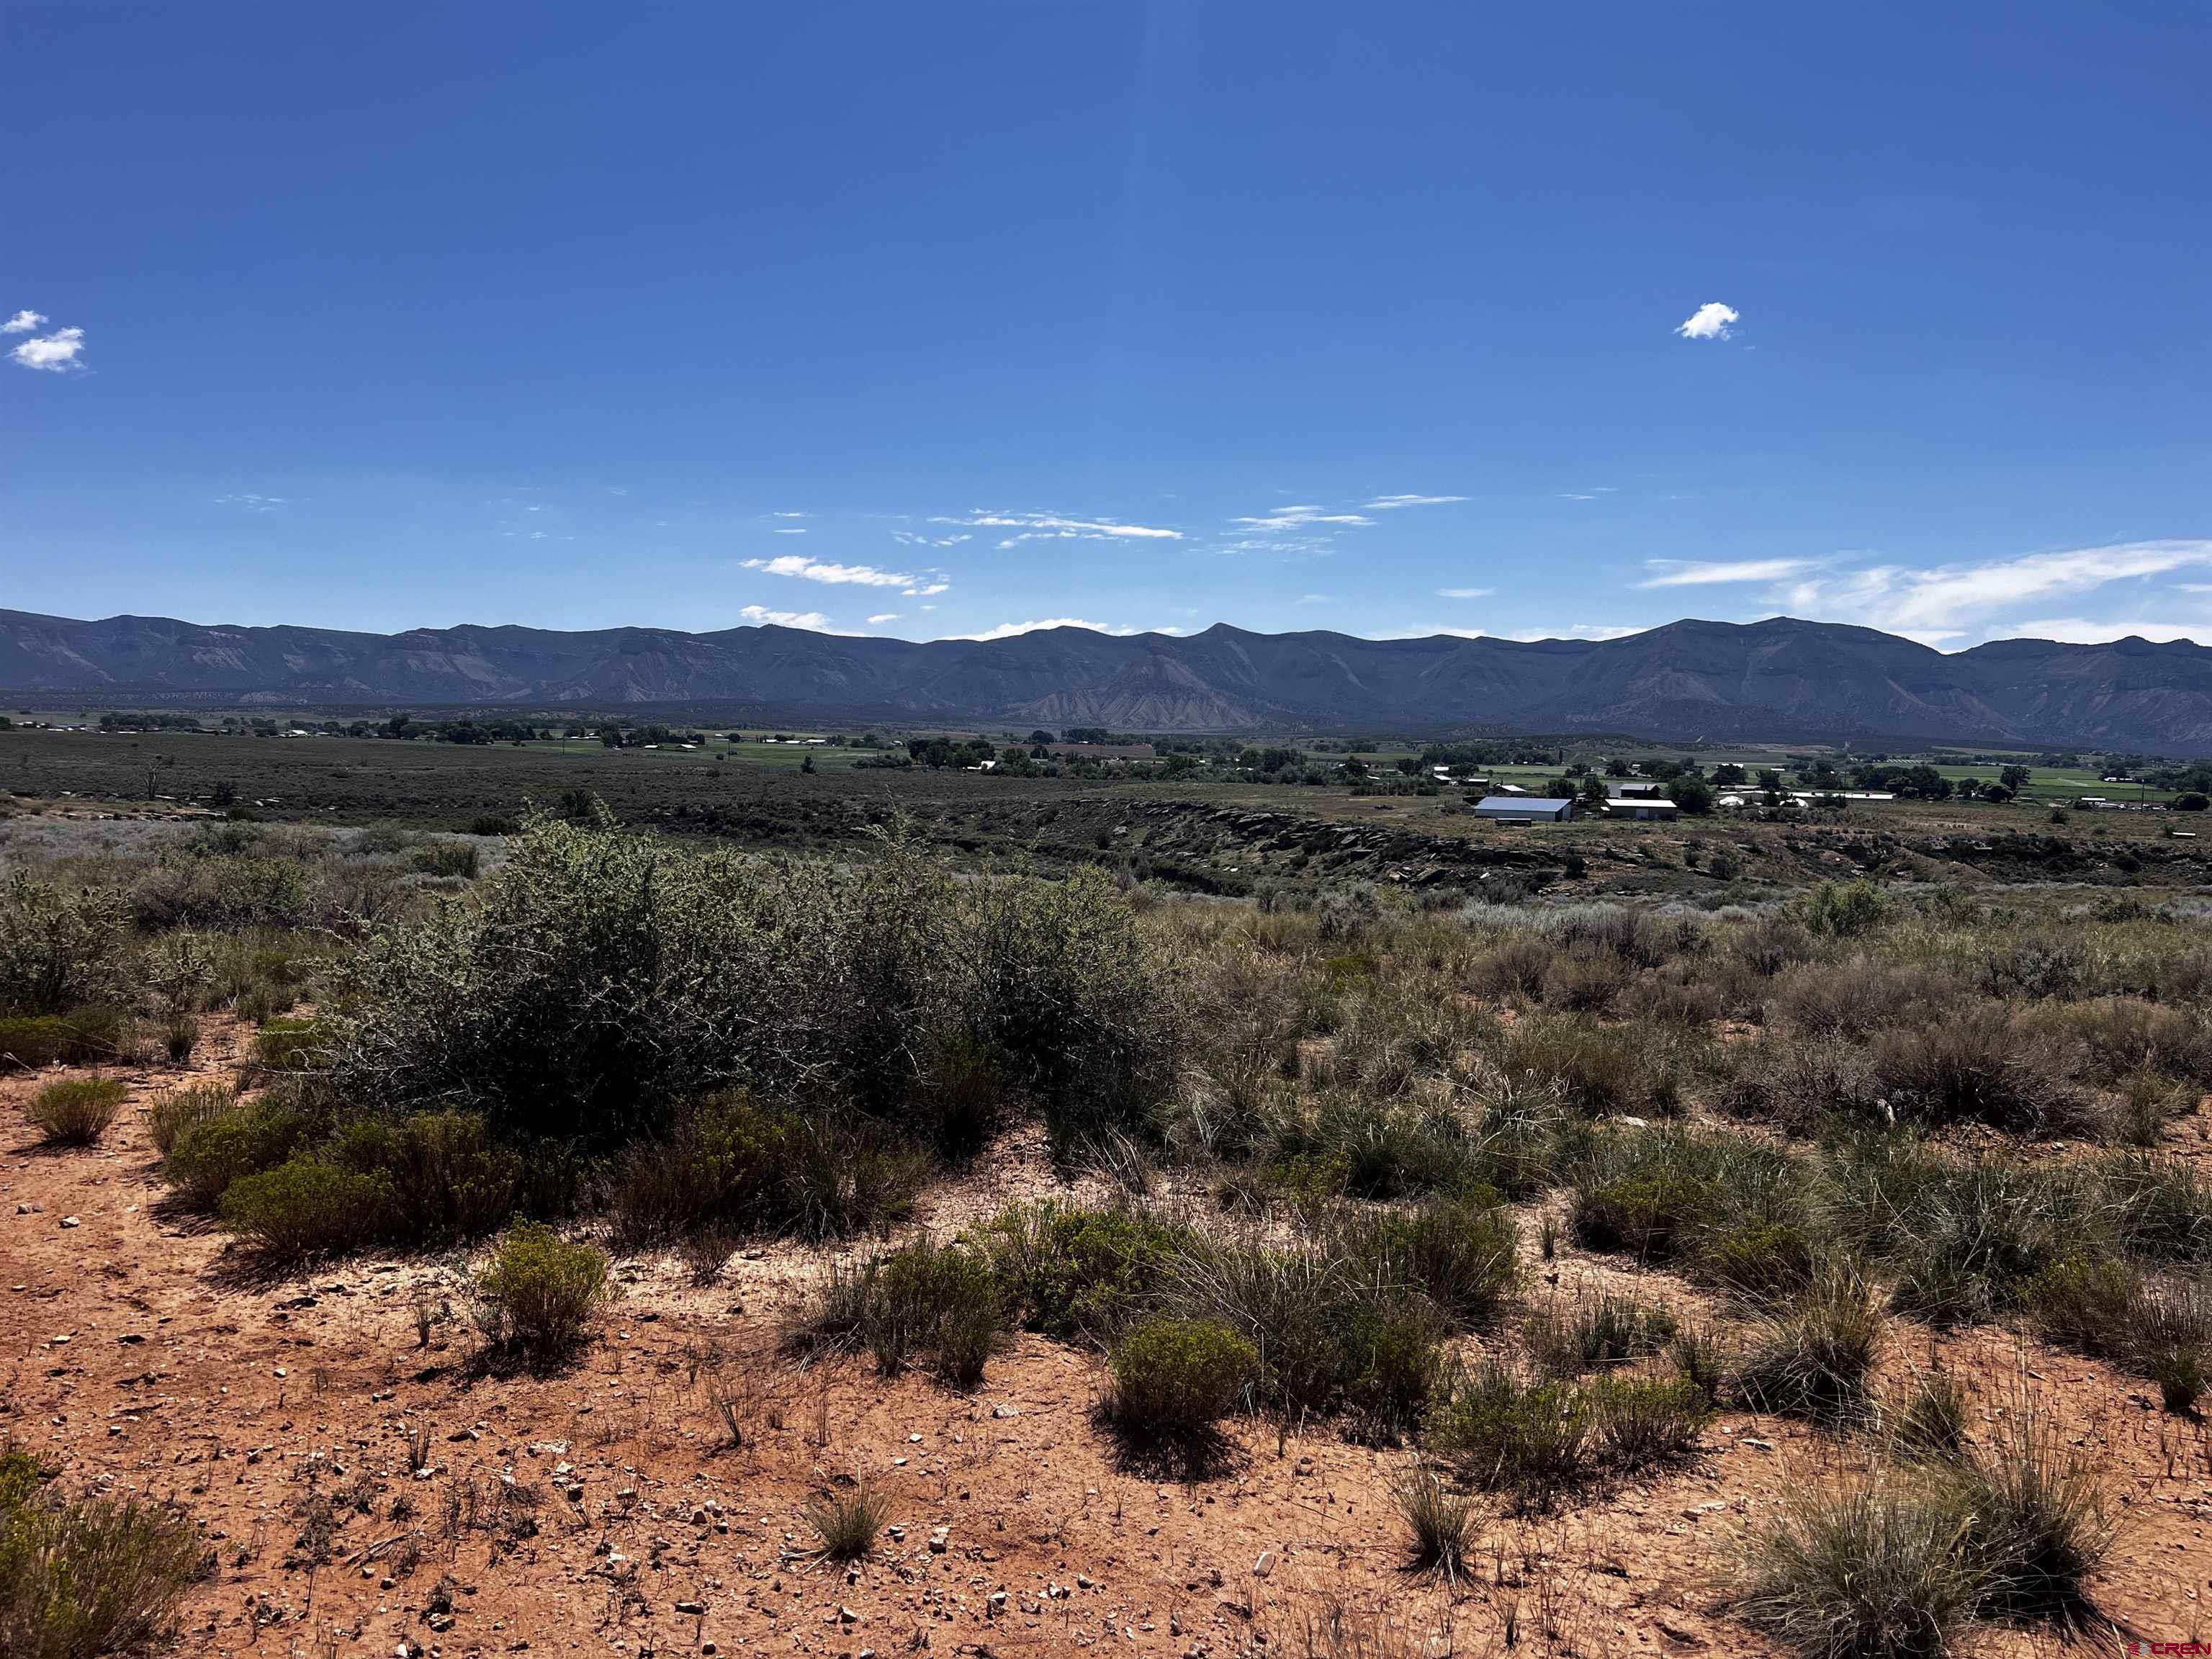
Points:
(369, 1471)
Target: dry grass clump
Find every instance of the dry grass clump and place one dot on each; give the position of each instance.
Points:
(1441, 1524)
(77, 1111)
(90, 1577)
(1816, 1359)
(180, 1109)
(1900, 1561)
(847, 1519)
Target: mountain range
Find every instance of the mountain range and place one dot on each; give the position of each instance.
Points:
(1779, 679)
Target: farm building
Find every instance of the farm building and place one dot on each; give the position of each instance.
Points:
(1524, 809)
(1643, 808)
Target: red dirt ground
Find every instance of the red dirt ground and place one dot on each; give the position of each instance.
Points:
(600, 1511)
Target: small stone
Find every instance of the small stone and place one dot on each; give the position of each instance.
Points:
(70, 1221)
(695, 1608)
(1265, 1565)
(940, 1539)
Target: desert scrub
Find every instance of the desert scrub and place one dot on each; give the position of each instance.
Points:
(598, 974)
(537, 1293)
(1592, 1335)
(61, 950)
(1816, 1360)
(1461, 1251)
(178, 1111)
(304, 1208)
(92, 1576)
(214, 1151)
(1176, 1378)
(287, 1045)
(846, 1520)
(1069, 1272)
(1873, 1570)
(1506, 1434)
(1441, 1524)
(77, 1111)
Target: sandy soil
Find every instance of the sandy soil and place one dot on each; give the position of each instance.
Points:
(602, 1510)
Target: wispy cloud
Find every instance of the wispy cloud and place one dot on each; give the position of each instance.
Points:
(841, 575)
(251, 503)
(762, 614)
(882, 617)
(1384, 503)
(790, 515)
(1007, 630)
(2076, 630)
(1710, 321)
(1298, 517)
(1578, 631)
(22, 323)
(1701, 573)
(1465, 593)
(55, 352)
(787, 530)
(1052, 526)
(915, 538)
(1946, 601)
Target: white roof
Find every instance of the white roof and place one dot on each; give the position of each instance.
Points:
(1521, 802)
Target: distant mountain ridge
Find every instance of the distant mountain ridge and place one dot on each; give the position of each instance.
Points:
(1781, 679)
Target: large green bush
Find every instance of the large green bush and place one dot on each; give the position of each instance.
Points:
(1178, 1377)
(598, 975)
(1069, 1272)
(61, 950)
(87, 1577)
(537, 1295)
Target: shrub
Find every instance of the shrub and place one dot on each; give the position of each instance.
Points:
(1597, 1069)
(1178, 1377)
(1440, 1524)
(60, 950)
(597, 974)
(729, 1163)
(305, 1208)
(34, 1040)
(1068, 1272)
(77, 1111)
(2036, 1520)
(1932, 1424)
(1463, 1252)
(1817, 1358)
(1869, 1571)
(1641, 1421)
(218, 1149)
(538, 1294)
(1844, 910)
(939, 1301)
(1702, 1360)
(176, 1111)
(1609, 1331)
(180, 1034)
(1978, 1065)
(1761, 1260)
(846, 1520)
(287, 1045)
(79, 1579)
(1504, 1435)
(2083, 1302)
(443, 1177)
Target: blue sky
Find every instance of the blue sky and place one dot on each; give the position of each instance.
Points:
(936, 320)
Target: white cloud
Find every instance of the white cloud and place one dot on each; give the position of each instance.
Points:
(251, 503)
(1578, 631)
(22, 323)
(2075, 630)
(1700, 573)
(882, 617)
(1316, 598)
(1008, 631)
(1383, 503)
(790, 515)
(1297, 518)
(1944, 601)
(762, 614)
(1710, 321)
(53, 352)
(1052, 526)
(1465, 593)
(787, 530)
(926, 590)
(821, 570)
(915, 538)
